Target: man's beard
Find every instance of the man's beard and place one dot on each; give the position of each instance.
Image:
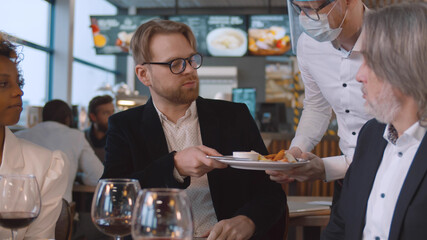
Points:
(181, 95)
(385, 107)
(186, 96)
(101, 127)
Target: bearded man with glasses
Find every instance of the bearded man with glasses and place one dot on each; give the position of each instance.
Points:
(328, 53)
(165, 143)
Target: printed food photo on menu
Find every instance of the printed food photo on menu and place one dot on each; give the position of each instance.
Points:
(227, 36)
(269, 35)
(112, 34)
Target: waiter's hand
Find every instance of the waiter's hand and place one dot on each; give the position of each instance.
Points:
(314, 170)
(193, 162)
(236, 228)
(283, 177)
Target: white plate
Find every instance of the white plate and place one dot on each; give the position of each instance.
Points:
(248, 164)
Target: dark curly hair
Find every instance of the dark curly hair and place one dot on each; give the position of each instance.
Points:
(9, 50)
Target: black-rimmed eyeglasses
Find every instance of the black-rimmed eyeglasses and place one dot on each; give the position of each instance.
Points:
(178, 65)
(312, 13)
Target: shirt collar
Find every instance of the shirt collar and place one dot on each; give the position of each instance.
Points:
(12, 151)
(191, 112)
(416, 131)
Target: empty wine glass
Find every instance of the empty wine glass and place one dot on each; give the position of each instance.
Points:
(20, 201)
(162, 214)
(112, 206)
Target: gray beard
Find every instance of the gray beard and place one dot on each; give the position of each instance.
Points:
(385, 107)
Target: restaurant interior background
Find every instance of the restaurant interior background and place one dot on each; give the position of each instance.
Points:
(76, 49)
(60, 42)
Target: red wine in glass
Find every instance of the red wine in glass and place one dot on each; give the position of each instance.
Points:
(114, 226)
(16, 220)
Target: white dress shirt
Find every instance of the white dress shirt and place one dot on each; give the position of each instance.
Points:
(329, 77)
(391, 174)
(186, 133)
(49, 168)
(80, 155)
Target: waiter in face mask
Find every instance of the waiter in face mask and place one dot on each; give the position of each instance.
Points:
(328, 53)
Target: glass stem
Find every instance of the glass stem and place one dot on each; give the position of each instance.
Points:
(14, 233)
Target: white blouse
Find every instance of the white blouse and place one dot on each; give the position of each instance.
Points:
(23, 157)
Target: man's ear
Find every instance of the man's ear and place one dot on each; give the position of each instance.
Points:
(143, 74)
(92, 117)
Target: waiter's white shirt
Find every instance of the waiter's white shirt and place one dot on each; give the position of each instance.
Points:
(50, 170)
(186, 133)
(391, 174)
(329, 77)
(80, 155)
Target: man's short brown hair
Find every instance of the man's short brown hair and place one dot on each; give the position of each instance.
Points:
(140, 43)
(97, 101)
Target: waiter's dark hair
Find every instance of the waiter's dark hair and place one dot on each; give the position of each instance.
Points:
(57, 111)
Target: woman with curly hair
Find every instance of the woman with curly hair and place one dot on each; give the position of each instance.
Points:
(18, 156)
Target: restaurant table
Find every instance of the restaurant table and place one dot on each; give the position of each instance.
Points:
(82, 196)
(308, 215)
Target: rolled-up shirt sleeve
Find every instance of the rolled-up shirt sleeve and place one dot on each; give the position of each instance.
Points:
(336, 167)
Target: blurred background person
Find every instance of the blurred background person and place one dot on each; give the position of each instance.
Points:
(55, 133)
(18, 156)
(100, 109)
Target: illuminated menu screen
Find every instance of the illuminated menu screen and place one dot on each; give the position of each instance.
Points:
(197, 23)
(269, 35)
(218, 35)
(112, 34)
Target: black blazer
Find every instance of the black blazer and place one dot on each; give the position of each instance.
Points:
(410, 215)
(137, 148)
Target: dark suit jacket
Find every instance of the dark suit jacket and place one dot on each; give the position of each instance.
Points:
(410, 215)
(137, 148)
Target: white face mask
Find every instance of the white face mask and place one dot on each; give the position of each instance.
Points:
(320, 30)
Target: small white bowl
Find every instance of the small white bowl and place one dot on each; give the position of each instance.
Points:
(247, 155)
(216, 49)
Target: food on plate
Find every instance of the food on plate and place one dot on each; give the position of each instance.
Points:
(281, 156)
(270, 41)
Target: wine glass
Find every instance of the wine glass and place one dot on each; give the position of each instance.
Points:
(112, 206)
(20, 201)
(162, 214)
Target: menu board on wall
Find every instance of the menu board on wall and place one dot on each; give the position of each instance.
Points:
(217, 35)
(112, 34)
(227, 36)
(198, 25)
(269, 35)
